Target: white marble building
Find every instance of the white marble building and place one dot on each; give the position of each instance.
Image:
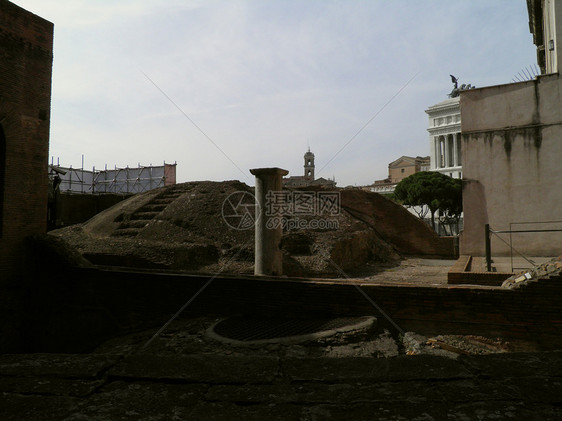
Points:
(445, 137)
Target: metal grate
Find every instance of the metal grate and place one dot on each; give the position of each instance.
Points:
(249, 330)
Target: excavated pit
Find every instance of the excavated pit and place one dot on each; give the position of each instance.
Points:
(251, 331)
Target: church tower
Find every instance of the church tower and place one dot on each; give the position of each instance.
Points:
(309, 166)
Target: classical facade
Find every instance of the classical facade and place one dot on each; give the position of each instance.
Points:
(512, 150)
(445, 137)
(308, 178)
(545, 22)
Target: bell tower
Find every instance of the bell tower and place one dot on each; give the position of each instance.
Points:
(309, 166)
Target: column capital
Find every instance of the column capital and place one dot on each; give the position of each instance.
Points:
(269, 171)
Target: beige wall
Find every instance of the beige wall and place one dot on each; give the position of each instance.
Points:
(512, 155)
(396, 175)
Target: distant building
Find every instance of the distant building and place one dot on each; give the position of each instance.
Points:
(445, 137)
(308, 178)
(398, 170)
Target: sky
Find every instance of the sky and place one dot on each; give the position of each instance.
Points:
(222, 86)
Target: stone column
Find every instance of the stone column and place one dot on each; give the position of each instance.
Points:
(459, 149)
(455, 151)
(268, 258)
(433, 153)
(438, 152)
(446, 150)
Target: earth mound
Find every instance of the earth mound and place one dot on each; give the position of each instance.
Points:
(186, 227)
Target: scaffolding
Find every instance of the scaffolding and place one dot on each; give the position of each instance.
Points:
(117, 181)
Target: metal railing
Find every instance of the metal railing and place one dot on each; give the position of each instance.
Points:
(487, 236)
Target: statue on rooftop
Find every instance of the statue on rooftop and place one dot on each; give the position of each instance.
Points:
(456, 90)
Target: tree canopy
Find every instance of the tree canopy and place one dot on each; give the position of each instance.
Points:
(434, 191)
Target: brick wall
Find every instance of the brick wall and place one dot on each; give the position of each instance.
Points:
(75, 311)
(26, 54)
(407, 233)
(77, 208)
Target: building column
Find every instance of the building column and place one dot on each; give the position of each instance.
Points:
(455, 151)
(459, 149)
(432, 153)
(268, 259)
(439, 153)
(446, 151)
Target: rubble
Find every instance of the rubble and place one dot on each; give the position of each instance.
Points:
(551, 268)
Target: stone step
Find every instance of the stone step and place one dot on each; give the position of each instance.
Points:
(169, 195)
(125, 232)
(159, 207)
(138, 223)
(144, 216)
(163, 201)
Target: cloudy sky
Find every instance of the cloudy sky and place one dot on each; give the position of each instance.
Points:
(223, 86)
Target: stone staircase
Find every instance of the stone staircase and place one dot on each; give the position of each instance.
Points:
(135, 222)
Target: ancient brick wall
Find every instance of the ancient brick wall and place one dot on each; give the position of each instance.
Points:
(407, 233)
(79, 309)
(26, 54)
(77, 208)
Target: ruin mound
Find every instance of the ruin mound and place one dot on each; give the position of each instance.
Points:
(187, 227)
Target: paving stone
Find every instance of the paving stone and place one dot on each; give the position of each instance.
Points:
(539, 389)
(496, 410)
(514, 364)
(56, 365)
(479, 390)
(218, 387)
(219, 411)
(199, 368)
(140, 400)
(317, 393)
(19, 407)
(378, 411)
(49, 386)
(404, 368)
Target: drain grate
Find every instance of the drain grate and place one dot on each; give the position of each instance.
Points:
(246, 330)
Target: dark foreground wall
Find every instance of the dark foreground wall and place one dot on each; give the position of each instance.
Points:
(70, 209)
(77, 310)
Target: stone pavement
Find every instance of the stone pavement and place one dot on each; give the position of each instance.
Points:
(144, 386)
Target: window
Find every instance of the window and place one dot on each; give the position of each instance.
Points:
(402, 170)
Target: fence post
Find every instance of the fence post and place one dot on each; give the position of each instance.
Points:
(488, 248)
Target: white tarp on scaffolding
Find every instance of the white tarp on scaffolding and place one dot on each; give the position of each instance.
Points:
(119, 180)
